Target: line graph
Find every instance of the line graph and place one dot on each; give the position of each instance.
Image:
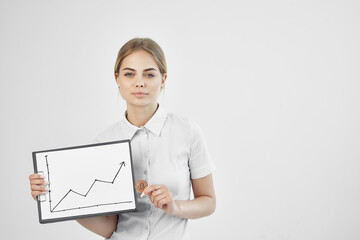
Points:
(83, 195)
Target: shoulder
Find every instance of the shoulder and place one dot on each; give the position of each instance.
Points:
(182, 123)
(109, 134)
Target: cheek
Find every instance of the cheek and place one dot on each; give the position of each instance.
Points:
(124, 86)
(124, 90)
(154, 86)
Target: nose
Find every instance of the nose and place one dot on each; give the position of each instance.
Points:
(140, 83)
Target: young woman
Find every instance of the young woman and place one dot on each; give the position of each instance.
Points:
(169, 153)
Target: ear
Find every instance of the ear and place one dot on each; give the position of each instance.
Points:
(164, 77)
(117, 79)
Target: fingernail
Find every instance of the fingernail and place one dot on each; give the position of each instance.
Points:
(46, 189)
(46, 182)
(42, 176)
(142, 194)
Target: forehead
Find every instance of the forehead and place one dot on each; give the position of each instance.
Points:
(139, 59)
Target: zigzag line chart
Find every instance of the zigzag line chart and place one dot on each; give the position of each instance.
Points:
(71, 192)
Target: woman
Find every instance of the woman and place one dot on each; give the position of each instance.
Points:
(168, 151)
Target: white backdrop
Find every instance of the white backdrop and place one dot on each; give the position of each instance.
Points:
(274, 86)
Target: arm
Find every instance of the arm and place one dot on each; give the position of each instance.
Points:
(203, 204)
(103, 226)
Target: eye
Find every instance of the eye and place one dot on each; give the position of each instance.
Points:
(149, 75)
(128, 74)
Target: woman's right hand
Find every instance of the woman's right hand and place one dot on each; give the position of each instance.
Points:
(38, 185)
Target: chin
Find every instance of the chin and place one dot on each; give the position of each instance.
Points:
(140, 103)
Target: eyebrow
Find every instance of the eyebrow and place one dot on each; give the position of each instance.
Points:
(148, 69)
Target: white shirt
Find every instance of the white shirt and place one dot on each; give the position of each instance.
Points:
(169, 150)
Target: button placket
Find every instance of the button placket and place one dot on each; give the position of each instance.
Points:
(147, 156)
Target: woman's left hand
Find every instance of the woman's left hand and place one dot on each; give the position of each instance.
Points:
(161, 197)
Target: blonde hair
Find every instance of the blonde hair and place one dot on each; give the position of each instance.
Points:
(146, 44)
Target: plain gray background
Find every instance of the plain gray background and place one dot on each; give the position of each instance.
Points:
(274, 86)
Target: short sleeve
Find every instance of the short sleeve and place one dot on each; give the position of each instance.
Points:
(200, 162)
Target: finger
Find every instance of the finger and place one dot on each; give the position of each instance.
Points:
(149, 189)
(34, 194)
(164, 201)
(158, 199)
(39, 188)
(155, 193)
(39, 182)
(36, 176)
(143, 192)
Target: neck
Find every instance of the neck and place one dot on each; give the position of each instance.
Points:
(139, 116)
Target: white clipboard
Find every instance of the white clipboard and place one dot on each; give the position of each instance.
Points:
(86, 181)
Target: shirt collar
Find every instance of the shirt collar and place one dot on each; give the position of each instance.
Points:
(155, 124)
(157, 121)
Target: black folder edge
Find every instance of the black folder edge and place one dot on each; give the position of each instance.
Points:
(41, 220)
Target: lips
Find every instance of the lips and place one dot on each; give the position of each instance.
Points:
(139, 94)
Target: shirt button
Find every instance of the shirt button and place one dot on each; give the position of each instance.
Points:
(148, 207)
(145, 172)
(146, 227)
